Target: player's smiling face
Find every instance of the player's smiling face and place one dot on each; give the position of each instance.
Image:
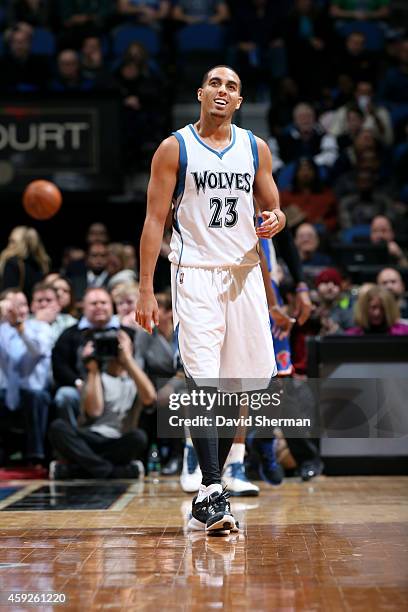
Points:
(220, 95)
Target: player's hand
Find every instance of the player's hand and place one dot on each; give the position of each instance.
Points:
(147, 311)
(282, 322)
(273, 222)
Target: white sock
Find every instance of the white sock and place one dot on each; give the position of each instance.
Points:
(236, 454)
(204, 492)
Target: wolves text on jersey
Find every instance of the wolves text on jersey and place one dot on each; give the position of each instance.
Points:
(222, 180)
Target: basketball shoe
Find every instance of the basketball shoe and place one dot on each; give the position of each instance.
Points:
(212, 514)
(190, 477)
(236, 481)
(269, 469)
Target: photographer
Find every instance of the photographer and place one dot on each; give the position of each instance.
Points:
(25, 354)
(100, 447)
(67, 365)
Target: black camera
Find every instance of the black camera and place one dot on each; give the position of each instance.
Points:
(106, 344)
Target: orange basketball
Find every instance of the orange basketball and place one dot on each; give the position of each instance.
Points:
(42, 199)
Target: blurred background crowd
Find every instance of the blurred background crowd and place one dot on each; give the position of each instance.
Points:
(334, 76)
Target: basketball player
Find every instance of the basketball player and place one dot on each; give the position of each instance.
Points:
(211, 171)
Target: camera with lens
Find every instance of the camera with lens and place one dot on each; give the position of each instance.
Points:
(106, 345)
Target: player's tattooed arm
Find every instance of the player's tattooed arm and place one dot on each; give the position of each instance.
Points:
(267, 195)
(160, 191)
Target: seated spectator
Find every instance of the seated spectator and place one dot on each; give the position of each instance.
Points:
(361, 207)
(71, 256)
(97, 232)
(308, 35)
(65, 295)
(82, 18)
(344, 92)
(146, 12)
(200, 11)
(101, 447)
(142, 90)
(25, 354)
(157, 354)
(69, 77)
(283, 103)
(307, 243)
(352, 128)
(125, 297)
(354, 59)
(334, 307)
(305, 138)
(394, 85)
(93, 66)
(115, 266)
(350, 161)
(391, 279)
(35, 12)
(21, 70)
(24, 261)
(46, 307)
(381, 230)
(129, 253)
(377, 312)
(352, 9)
(376, 118)
(90, 272)
(68, 370)
(308, 195)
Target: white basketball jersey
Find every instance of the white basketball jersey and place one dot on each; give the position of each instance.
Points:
(213, 208)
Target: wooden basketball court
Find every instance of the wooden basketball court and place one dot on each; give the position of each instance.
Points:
(331, 544)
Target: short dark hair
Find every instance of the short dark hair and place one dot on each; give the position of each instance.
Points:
(42, 286)
(205, 77)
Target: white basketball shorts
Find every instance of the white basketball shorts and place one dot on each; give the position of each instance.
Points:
(223, 323)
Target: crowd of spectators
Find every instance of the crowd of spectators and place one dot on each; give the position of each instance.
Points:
(336, 79)
(77, 373)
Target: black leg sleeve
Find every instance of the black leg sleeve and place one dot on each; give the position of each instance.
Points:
(205, 442)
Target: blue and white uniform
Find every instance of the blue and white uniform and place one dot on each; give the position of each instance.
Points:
(219, 301)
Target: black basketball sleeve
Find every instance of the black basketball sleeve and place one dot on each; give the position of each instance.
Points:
(286, 249)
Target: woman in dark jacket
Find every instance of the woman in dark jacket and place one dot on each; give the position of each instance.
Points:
(24, 261)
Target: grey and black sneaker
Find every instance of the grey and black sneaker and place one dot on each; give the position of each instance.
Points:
(219, 513)
(207, 515)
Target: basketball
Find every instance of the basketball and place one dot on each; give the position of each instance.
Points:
(42, 199)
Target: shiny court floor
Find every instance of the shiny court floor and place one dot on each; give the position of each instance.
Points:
(333, 544)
